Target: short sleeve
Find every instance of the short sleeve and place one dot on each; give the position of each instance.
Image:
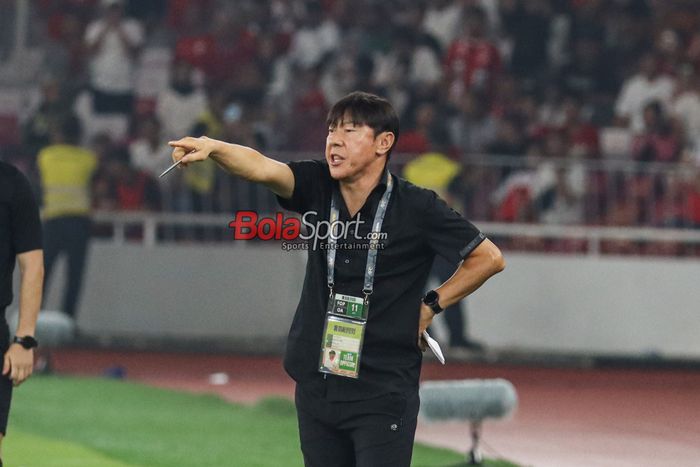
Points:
(134, 32)
(448, 234)
(308, 176)
(92, 32)
(26, 226)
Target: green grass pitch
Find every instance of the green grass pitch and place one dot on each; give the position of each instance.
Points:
(89, 422)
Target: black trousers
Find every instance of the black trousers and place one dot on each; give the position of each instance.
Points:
(369, 433)
(69, 235)
(111, 103)
(443, 270)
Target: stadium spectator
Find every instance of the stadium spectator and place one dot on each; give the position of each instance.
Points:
(113, 43)
(416, 138)
(52, 108)
(310, 101)
(65, 53)
(528, 26)
(685, 106)
(473, 128)
(102, 192)
(473, 61)
(590, 73)
(134, 189)
(510, 138)
(408, 60)
(582, 136)
(442, 21)
(649, 84)
(316, 37)
(149, 151)
(178, 106)
(659, 141)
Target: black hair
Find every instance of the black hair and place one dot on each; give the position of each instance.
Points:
(366, 109)
(71, 129)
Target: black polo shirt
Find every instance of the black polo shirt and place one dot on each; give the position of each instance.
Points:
(418, 225)
(20, 227)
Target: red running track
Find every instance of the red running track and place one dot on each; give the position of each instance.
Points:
(566, 417)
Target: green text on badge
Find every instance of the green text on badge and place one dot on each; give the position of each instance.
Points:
(352, 307)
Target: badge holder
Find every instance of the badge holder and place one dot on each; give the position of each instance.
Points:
(343, 335)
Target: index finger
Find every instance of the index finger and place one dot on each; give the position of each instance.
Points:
(185, 143)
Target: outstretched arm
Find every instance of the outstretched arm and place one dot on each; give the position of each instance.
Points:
(238, 160)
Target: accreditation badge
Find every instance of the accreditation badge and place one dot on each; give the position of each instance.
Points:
(343, 335)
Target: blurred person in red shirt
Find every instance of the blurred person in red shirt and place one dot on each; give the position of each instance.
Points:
(417, 138)
(660, 141)
(473, 61)
(692, 200)
(227, 44)
(133, 189)
(582, 135)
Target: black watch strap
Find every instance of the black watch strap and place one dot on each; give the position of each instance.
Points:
(28, 342)
(432, 299)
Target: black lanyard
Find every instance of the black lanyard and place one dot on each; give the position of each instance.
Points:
(374, 239)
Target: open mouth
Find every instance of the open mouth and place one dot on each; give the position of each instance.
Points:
(336, 160)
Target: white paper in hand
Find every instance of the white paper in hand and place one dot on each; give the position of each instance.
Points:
(434, 346)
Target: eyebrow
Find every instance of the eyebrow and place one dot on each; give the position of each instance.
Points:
(344, 123)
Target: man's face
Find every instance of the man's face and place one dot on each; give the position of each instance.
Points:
(351, 148)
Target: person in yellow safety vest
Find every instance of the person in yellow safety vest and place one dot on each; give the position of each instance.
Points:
(436, 171)
(201, 181)
(66, 172)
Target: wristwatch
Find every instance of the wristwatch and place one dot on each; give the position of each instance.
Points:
(432, 299)
(28, 342)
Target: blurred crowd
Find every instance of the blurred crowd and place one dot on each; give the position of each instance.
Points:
(527, 104)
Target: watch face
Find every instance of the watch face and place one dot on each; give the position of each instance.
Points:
(28, 342)
(431, 298)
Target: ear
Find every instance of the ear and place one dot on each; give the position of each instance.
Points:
(383, 142)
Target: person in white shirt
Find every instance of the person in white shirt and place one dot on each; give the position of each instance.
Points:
(151, 155)
(178, 106)
(442, 20)
(113, 43)
(649, 84)
(314, 39)
(686, 105)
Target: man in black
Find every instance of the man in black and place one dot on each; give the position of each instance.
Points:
(20, 239)
(368, 419)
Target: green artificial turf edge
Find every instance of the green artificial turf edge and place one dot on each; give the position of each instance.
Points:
(151, 427)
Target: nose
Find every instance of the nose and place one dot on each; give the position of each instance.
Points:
(334, 139)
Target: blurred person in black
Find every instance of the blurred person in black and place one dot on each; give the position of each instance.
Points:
(20, 240)
(53, 106)
(365, 413)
